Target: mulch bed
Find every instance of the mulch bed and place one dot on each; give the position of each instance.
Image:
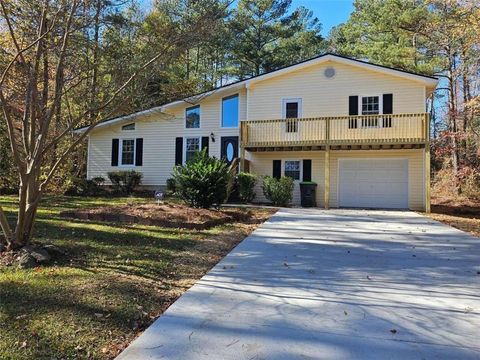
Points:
(165, 214)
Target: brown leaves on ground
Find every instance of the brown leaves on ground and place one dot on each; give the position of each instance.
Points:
(459, 212)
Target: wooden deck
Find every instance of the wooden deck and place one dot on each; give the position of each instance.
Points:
(317, 132)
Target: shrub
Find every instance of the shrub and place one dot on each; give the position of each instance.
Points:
(278, 191)
(125, 182)
(171, 186)
(202, 182)
(246, 186)
(85, 187)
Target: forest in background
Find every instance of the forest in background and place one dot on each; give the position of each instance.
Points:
(434, 37)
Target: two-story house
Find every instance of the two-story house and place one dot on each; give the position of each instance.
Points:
(359, 130)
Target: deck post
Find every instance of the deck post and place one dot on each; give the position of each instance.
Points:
(327, 177)
(242, 158)
(242, 146)
(327, 165)
(427, 164)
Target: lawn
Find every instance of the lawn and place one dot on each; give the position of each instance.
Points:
(116, 279)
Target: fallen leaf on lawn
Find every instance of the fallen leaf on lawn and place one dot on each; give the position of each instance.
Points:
(24, 345)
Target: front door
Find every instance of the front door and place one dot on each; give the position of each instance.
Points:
(229, 150)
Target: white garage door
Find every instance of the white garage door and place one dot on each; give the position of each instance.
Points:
(373, 183)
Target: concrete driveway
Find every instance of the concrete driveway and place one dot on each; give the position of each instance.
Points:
(339, 284)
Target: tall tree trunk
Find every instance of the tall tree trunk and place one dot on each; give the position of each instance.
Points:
(452, 118)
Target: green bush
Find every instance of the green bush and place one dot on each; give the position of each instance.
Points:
(125, 182)
(246, 186)
(278, 191)
(84, 187)
(171, 186)
(202, 182)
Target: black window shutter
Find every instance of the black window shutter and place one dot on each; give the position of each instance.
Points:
(388, 103)
(352, 111)
(277, 169)
(115, 152)
(205, 143)
(307, 170)
(387, 109)
(178, 151)
(353, 105)
(139, 152)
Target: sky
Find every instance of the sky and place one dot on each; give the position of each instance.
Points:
(329, 12)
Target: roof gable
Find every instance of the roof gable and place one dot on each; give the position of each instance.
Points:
(429, 81)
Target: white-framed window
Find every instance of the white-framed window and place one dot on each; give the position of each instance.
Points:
(127, 152)
(230, 111)
(291, 110)
(370, 105)
(292, 168)
(192, 146)
(128, 127)
(192, 117)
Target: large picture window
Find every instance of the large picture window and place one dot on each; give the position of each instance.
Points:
(128, 152)
(292, 169)
(192, 117)
(192, 145)
(230, 112)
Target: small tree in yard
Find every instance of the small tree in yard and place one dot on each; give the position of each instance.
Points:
(278, 191)
(202, 182)
(53, 78)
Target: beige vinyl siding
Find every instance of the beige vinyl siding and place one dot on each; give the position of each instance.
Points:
(329, 97)
(159, 132)
(262, 165)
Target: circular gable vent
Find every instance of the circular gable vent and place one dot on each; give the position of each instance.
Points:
(329, 72)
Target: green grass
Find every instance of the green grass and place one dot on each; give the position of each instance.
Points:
(115, 280)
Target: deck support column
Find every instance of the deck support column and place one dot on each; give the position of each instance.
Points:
(427, 165)
(327, 178)
(242, 158)
(326, 199)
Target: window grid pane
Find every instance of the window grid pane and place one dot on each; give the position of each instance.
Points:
(370, 105)
(292, 169)
(192, 146)
(192, 116)
(128, 149)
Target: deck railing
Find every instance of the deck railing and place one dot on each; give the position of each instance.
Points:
(341, 130)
